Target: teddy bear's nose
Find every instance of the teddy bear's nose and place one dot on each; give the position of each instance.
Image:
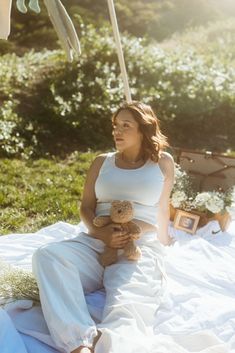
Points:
(119, 211)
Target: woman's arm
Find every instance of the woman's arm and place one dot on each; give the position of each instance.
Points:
(88, 203)
(167, 165)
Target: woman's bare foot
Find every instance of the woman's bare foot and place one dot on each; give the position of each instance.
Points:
(95, 340)
(82, 349)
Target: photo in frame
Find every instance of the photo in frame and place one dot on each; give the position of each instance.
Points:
(186, 221)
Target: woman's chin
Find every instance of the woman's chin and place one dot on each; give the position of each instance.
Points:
(119, 146)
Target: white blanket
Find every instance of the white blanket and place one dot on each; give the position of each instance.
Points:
(197, 314)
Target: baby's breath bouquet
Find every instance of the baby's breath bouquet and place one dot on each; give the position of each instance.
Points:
(16, 283)
(183, 192)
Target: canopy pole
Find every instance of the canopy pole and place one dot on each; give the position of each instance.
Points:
(119, 50)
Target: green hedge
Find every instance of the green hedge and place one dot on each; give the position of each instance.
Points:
(50, 106)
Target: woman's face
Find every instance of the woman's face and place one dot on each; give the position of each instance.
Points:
(126, 131)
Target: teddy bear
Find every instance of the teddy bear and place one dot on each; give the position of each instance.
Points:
(121, 212)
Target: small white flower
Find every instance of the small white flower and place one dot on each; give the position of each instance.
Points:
(202, 198)
(177, 198)
(215, 204)
(49, 181)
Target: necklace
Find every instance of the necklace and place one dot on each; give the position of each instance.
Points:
(131, 162)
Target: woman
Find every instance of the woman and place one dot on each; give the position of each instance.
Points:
(141, 172)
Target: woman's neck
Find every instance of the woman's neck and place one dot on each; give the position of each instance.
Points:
(131, 157)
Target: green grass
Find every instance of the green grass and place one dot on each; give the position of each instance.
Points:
(37, 193)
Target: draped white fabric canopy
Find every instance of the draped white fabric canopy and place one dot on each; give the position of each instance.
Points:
(65, 29)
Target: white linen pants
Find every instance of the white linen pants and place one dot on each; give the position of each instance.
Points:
(67, 270)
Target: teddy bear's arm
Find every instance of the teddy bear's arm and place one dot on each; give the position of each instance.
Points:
(134, 230)
(101, 221)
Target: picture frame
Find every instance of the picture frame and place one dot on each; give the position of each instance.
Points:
(186, 221)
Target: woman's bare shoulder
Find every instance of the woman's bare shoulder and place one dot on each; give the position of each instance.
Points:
(166, 157)
(100, 158)
(166, 163)
(98, 162)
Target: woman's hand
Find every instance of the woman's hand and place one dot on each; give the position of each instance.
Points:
(114, 235)
(171, 241)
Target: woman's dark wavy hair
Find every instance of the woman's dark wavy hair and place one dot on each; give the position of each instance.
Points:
(153, 140)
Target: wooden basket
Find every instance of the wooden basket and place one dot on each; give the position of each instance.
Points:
(223, 218)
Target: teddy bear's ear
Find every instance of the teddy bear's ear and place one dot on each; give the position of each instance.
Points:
(116, 203)
(128, 203)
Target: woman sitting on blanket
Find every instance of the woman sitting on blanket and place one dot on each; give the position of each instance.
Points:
(139, 171)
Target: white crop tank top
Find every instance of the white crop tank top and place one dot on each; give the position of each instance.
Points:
(142, 186)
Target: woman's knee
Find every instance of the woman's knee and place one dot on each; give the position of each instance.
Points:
(41, 253)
